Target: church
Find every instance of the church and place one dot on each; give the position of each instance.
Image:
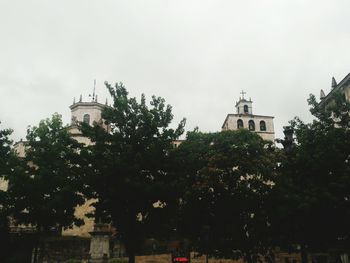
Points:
(343, 87)
(245, 119)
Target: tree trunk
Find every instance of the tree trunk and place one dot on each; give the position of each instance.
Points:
(35, 256)
(36, 248)
(304, 254)
(249, 258)
(131, 257)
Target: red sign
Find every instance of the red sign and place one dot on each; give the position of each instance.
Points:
(180, 259)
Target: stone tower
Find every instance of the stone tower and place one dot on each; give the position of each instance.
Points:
(88, 112)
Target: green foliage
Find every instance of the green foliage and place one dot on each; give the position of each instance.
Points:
(7, 159)
(5, 151)
(227, 177)
(45, 190)
(129, 163)
(311, 198)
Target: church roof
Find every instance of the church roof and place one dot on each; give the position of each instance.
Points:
(92, 103)
(336, 87)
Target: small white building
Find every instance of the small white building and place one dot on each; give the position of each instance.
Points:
(245, 119)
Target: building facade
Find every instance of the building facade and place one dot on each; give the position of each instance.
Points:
(245, 119)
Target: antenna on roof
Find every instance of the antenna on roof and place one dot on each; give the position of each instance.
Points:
(93, 94)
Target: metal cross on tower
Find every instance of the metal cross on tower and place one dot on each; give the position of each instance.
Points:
(242, 92)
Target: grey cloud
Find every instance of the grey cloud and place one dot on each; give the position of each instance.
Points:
(198, 54)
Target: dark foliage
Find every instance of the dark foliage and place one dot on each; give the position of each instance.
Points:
(311, 206)
(129, 165)
(226, 178)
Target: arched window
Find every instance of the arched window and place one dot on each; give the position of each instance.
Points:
(239, 124)
(245, 107)
(86, 118)
(262, 126)
(251, 125)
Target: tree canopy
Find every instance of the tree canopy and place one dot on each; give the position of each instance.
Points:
(7, 159)
(227, 177)
(230, 193)
(311, 197)
(46, 192)
(129, 161)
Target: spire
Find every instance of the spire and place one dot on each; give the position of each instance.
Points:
(74, 100)
(334, 83)
(81, 98)
(322, 95)
(93, 94)
(96, 98)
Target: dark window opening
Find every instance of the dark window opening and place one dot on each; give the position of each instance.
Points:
(239, 124)
(86, 118)
(246, 110)
(262, 126)
(251, 125)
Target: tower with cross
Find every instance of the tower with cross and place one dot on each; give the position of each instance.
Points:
(244, 106)
(245, 119)
(243, 93)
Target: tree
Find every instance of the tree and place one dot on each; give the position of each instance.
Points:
(227, 177)
(46, 193)
(6, 161)
(311, 198)
(129, 164)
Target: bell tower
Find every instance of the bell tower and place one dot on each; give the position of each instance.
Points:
(245, 119)
(89, 112)
(244, 106)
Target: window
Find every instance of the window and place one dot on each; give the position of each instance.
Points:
(239, 124)
(262, 126)
(246, 110)
(74, 120)
(251, 125)
(86, 118)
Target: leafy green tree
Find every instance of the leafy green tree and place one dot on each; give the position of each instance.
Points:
(6, 161)
(5, 151)
(311, 198)
(46, 193)
(129, 164)
(227, 177)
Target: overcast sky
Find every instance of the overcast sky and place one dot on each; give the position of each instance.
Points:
(197, 54)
